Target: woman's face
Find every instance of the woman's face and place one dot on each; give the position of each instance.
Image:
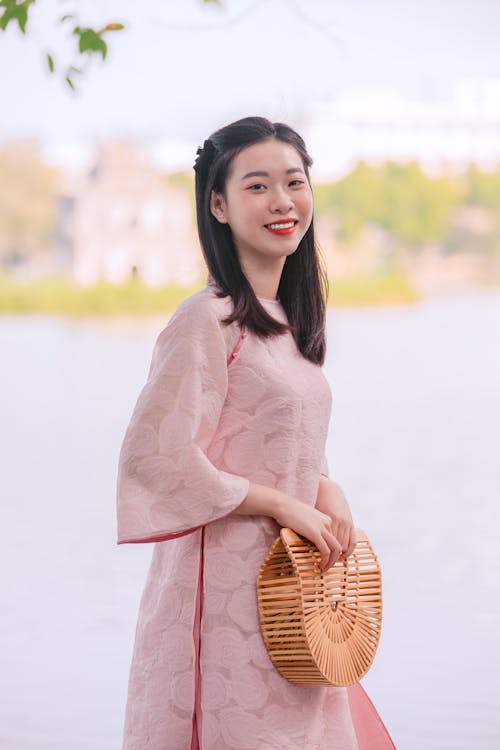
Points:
(268, 201)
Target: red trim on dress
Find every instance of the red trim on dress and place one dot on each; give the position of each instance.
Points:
(196, 731)
(236, 349)
(160, 537)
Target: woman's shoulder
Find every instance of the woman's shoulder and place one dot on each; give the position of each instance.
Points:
(198, 318)
(205, 302)
(203, 309)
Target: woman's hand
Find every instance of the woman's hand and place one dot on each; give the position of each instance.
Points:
(332, 502)
(313, 524)
(309, 521)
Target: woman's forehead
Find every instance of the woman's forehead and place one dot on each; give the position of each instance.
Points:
(271, 156)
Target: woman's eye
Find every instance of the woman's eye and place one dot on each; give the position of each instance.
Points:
(256, 187)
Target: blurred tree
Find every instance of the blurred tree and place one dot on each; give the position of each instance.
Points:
(483, 189)
(28, 192)
(353, 200)
(398, 197)
(415, 207)
(476, 227)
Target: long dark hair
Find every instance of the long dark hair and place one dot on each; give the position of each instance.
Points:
(303, 287)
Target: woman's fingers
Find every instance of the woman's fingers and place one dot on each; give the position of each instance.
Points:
(340, 545)
(343, 537)
(352, 541)
(331, 547)
(333, 551)
(341, 532)
(345, 532)
(325, 553)
(332, 536)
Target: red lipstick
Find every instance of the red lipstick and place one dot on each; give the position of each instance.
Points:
(285, 230)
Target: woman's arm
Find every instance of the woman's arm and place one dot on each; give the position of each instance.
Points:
(331, 500)
(289, 512)
(167, 486)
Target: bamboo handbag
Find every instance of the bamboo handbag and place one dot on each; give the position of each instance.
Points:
(320, 628)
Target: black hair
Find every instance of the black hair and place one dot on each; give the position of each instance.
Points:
(303, 286)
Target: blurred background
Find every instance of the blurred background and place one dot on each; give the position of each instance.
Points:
(103, 105)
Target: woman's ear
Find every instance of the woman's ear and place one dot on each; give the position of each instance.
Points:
(218, 206)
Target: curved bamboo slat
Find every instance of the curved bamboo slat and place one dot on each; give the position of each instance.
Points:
(320, 628)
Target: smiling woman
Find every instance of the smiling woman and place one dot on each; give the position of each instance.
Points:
(279, 205)
(226, 445)
(251, 177)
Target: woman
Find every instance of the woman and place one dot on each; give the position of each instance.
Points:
(225, 445)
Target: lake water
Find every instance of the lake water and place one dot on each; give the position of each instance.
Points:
(414, 441)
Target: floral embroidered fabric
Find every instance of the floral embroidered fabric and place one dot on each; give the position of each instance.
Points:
(206, 425)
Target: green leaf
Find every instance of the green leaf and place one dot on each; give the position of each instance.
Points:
(90, 41)
(14, 12)
(50, 62)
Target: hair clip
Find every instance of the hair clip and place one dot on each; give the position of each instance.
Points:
(204, 155)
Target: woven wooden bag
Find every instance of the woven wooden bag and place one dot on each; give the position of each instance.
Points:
(320, 628)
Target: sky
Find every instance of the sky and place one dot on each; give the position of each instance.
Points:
(182, 69)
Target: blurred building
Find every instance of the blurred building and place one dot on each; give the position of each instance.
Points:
(443, 133)
(123, 219)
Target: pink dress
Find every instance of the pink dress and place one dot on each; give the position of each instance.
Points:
(219, 410)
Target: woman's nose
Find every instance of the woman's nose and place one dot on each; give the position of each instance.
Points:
(280, 200)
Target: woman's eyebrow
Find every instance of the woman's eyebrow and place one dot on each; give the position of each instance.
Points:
(266, 174)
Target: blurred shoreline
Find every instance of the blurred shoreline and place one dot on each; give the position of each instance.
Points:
(62, 297)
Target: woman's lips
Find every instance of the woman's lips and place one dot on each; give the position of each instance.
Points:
(284, 229)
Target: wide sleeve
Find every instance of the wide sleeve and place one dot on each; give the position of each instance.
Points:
(167, 487)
